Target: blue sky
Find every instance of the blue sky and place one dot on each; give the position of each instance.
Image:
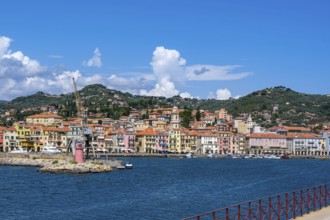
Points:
(206, 49)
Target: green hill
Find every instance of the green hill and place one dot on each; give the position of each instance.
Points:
(267, 106)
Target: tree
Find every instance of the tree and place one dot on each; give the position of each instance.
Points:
(198, 115)
(186, 118)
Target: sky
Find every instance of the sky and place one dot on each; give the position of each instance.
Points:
(196, 49)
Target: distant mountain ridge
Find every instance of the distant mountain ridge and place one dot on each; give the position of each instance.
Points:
(264, 105)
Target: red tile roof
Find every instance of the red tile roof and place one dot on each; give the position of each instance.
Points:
(45, 115)
(266, 135)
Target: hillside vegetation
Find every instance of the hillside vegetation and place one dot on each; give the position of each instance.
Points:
(267, 106)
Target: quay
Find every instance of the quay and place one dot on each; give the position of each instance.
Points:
(304, 204)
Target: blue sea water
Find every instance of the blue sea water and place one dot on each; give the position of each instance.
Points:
(156, 188)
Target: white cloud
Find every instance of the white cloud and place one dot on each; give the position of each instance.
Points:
(22, 64)
(4, 45)
(15, 64)
(187, 95)
(21, 75)
(95, 61)
(170, 70)
(223, 94)
(211, 72)
(168, 67)
(162, 88)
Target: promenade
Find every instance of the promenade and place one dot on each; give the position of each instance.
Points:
(323, 214)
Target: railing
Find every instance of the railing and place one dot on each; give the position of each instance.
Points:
(282, 206)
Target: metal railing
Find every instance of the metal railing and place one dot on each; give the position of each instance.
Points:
(288, 205)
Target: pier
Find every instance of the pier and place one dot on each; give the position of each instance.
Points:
(303, 204)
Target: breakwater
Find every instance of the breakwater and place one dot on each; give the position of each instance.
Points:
(58, 163)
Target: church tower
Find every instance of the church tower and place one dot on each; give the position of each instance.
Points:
(175, 119)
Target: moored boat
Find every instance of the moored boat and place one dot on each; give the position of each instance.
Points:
(188, 155)
(19, 151)
(128, 165)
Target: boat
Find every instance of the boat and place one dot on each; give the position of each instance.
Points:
(50, 150)
(210, 155)
(188, 155)
(285, 156)
(120, 167)
(273, 157)
(19, 151)
(128, 165)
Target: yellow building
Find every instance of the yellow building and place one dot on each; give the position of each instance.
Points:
(174, 141)
(24, 136)
(38, 138)
(146, 141)
(188, 141)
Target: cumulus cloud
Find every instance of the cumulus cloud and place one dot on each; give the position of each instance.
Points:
(16, 63)
(168, 67)
(21, 75)
(95, 61)
(170, 70)
(4, 45)
(223, 94)
(164, 87)
(187, 95)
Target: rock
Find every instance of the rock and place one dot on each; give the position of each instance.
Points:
(58, 166)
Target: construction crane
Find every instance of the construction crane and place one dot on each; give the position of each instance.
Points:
(79, 106)
(82, 114)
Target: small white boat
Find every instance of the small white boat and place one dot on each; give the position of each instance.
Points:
(272, 157)
(19, 151)
(188, 155)
(128, 165)
(210, 155)
(275, 157)
(120, 167)
(50, 150)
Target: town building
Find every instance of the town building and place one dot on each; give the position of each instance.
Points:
(46, 119)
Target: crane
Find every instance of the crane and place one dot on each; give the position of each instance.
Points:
(78, 100)
(82, 114)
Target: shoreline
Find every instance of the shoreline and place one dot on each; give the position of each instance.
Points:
(219, 156)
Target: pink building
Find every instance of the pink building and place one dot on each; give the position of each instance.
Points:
(129, 142)
(260, 143)
(225, 142)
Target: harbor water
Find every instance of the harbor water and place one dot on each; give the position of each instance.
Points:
(156, 188)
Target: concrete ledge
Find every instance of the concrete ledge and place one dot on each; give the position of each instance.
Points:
(321, 214)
